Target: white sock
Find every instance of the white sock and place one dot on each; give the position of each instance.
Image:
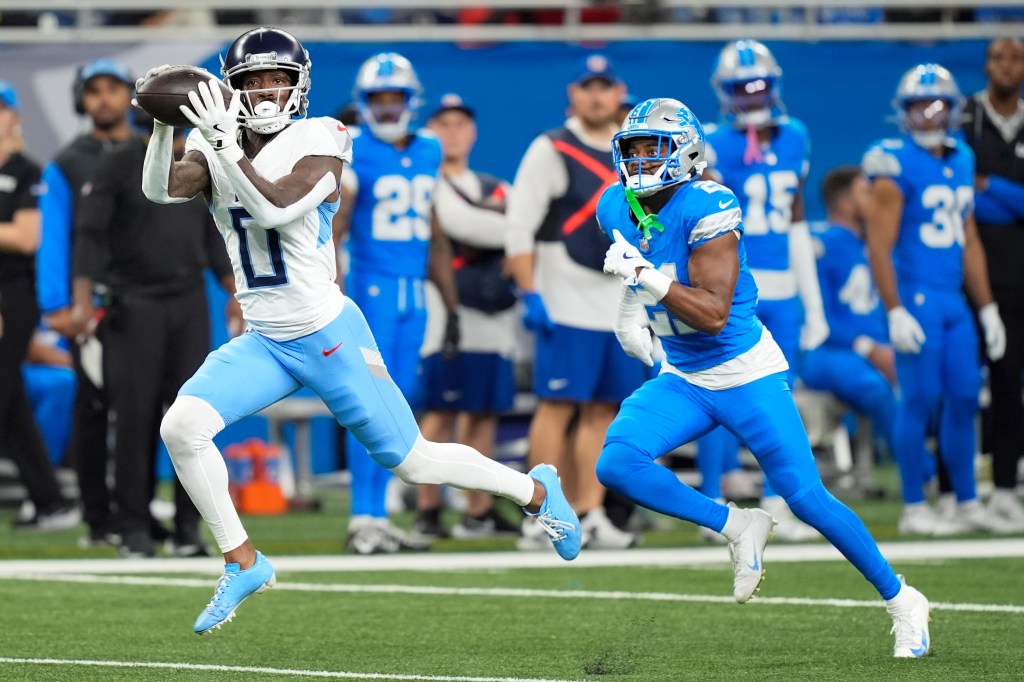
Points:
(735, 523)
(188, 429)
(463, 467)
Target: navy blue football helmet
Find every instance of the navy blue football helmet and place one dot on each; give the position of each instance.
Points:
(263, 49)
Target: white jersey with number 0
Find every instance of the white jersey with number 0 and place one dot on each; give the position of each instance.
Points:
(285, 277)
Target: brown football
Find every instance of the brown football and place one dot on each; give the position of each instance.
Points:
(162, 94)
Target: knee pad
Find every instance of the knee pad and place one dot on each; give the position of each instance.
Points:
(188, 423)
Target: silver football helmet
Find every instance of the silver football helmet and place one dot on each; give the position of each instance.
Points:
(384, 72)
(680, 144)
(748, 82)
(929, 125)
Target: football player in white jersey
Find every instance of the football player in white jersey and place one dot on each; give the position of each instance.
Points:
(272, 177)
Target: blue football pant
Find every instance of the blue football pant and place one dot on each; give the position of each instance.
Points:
(718, 451)
(396, 312)
(856, 382)
(251, 372)
(669, 411)
(944, 379)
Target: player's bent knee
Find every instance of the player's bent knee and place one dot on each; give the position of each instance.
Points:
(420, 465)
(616, 460)
(188, 423)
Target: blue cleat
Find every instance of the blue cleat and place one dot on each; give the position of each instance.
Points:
(233, 588)
(556, 517)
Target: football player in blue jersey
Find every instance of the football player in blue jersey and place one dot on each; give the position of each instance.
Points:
(763, 156)
(679, 247)
(393, 245)
(925, 252)
(856, 362)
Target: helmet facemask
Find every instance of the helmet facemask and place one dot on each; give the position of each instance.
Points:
(389, 122)
(266, 116)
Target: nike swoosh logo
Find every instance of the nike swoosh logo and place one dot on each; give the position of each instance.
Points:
(627, 257)
(328, 352)
(216, 126)
(723, 204)
(757, 562)
(557, 384)
(923, 649)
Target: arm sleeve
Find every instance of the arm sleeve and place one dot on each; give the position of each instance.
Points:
(988, 209)
(802, 261)
(93, 216)
(461, 220)
(540, 178)
(53, 260)
(157, 166)
(1009, 194)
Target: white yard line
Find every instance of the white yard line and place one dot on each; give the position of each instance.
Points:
(284, 672)
(430, 590)
(444, 561)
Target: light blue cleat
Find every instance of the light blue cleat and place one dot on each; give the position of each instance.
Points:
(556, 517)
(233, 588)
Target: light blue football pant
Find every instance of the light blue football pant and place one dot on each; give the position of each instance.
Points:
(669, 411)
(856, 382)
(251, 372)
(944, 379)
(396, 312)
(718, 451)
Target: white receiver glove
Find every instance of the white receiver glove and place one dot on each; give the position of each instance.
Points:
(995, 332)
(622, 259)
(904, 331)
(633, 338)
(217, 124)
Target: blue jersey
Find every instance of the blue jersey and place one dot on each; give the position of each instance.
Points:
(697, 213)
(852, 306)
(938, 195)
(766, 188)
(390, 229)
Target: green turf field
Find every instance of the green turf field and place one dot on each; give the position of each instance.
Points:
(815, 620)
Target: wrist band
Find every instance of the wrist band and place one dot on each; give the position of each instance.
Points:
(655, 282)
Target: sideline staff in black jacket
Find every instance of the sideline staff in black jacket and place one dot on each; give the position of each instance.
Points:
(158, 330)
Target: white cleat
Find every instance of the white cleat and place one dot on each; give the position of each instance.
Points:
(1005, 506)
(746, 551)
(975, 516)
(600, 533)
(920, 519)
(909, 610)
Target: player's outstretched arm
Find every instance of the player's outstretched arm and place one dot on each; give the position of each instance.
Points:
(166, 181)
